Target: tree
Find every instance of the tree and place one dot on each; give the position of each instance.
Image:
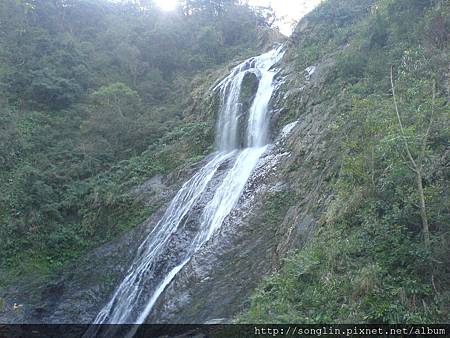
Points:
(112, 123)
(130, 59)
(206, 7)
(416, 161)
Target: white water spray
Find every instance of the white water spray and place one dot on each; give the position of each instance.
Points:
(150, 272)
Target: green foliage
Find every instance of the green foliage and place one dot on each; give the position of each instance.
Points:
(375, 273)
(277, 205)
(95, 98)
(328, 29)
(367, 263)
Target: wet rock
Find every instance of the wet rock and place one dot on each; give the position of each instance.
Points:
(76, 293)
(251, 243)
(152, 190)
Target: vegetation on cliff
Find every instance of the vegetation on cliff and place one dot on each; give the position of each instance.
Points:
(97, 96)
(381, 252)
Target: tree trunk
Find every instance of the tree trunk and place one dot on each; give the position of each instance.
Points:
(423, 211)
(416, 166)
(448, 82)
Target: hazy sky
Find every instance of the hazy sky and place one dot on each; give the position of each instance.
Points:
(288, 11)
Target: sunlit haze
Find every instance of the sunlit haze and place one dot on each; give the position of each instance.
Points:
(166, 5)
(288, 12)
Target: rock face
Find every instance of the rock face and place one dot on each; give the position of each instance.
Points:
(281, 204)
(217, 282)
(75, 294)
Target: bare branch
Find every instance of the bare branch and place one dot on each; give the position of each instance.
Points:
(405, 160)
(408, 152)
(425, 138)
(417, 168)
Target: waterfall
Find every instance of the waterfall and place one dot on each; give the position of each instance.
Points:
(158, 258)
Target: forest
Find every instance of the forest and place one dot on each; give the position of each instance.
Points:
(98, 98)
(94, 100)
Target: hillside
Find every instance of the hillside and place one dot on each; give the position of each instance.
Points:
(97, 97)
(379, 250)
(308, 184)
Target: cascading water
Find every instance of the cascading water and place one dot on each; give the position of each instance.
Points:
(151, 271)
